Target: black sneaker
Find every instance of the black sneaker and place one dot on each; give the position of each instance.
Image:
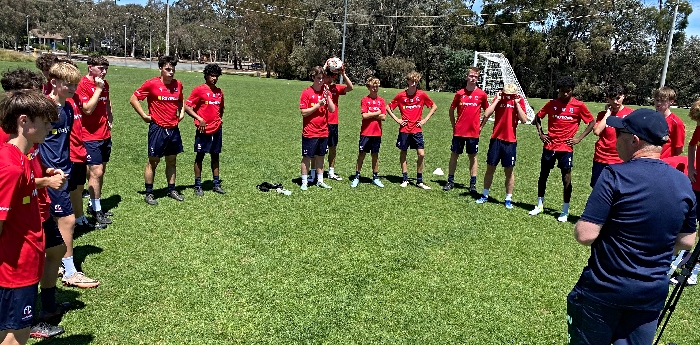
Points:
(472, 189)
(45, 330)
(219, 190)
(198, 191)
(175, 195)
(150, 199)
(100, 218)
(448, 186)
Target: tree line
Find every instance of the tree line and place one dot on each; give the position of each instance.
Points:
(598, 42)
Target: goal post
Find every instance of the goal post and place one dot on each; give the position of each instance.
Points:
(496, 71)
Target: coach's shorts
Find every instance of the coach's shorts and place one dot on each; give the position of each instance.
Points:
(98, 151)
(53, 235)
(412, 141)
(78, 176)
(332, 135)
(163, 141)
(459, 144)
(208, 143)
(370, 143)
(17, 307)
(697, 209)
(502, 151)
(311, 147)
(565, 159)
(596, 170)
(60, 202)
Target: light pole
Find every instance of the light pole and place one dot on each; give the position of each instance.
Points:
(150, 54)
(27, 48)
(167, 27)
(124, 44)
(68, 47)
(668, 46)
(345, 24)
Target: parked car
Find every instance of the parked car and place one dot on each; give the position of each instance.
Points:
(255, 65)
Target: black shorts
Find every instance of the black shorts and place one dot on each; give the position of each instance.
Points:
(17, 307)
(78, 176)
(163, 141)
(53, 235)
(502, 151)
(596, 170)
(460, 143)
(565, 159)
(208, 143)
(98, 151)
(407, 141)
(332, 135)
(60, 202)
(370, 144)
(311, 147)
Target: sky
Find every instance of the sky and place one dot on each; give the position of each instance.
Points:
(692, 30)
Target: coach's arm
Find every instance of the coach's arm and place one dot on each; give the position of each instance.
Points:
(684, 241)
(586, 232)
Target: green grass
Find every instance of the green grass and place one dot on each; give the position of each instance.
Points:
(364, 265)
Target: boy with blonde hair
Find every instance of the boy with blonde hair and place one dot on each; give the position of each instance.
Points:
(373, 110)
(411, 102)
(664, 97)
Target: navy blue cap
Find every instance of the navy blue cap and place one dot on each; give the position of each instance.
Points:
(647, 124)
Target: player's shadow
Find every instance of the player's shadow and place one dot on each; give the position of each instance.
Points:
(395, 179)
(73, 339)
(442, 184)
(207, 185)
(111, 202)
(63, 296)
(163, 192)
(82, 252)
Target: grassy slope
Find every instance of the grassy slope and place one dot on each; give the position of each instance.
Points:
(363, 265)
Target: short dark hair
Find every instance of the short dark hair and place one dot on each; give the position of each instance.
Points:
(21, 79)
(45, 61)
(614, 91)
(32, 103)
(212, 69)
(167, 59)
(97, 60)
(566, 81)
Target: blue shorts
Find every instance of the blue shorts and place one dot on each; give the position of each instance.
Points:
(98, 151)
(332, 135)
(17, 307)
(410, 141)
(53, 235)
(163, 141)
(596, 170)
(591, 322)
(565, 159)
(78, 176)
(208, 143)
(311, 147)
(459, 144)
(697, 209)
(60, 202)
(370, 144)
(502, 151)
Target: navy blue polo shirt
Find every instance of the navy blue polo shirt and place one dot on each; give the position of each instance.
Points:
(642, 204)
(55, 150)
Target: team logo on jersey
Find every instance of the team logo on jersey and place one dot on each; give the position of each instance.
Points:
(199, 146)
(27, 313)
(469, 104)
(563, 117)
(58, 208)
(411, 107)
(167, 98)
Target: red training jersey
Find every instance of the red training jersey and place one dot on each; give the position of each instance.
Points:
(411, 108)
(78, 153)
(506, 118)
(336, 91)
(315, 124)
(4, 137)
(22, 238)
(163, 101)
(209, 104)
(469, 105)
(95, 125)
(372, 127)
(42, 193)
(695, 141)
(606, 146)
(676, 135)
(563, 121)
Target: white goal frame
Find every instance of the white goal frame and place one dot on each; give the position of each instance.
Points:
(496, 71)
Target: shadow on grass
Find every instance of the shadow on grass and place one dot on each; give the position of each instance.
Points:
(163, 192)
(73, 339)
(442, 183)
(111, 202)
(62, 296)
(81, 252)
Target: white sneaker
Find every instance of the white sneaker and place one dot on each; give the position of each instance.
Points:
(563, 217)
(423, 185)
(335, 177)
(692, 280)
(404, 184)
(536, 211)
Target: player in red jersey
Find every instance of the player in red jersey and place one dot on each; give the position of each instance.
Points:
(564, 114)
(206, 106)
(663, 99)
(44, 63)
(605, 148)
(469, 102)
(411, 102)
(165, 111)
(373, 111)
(315, 103)
(509, 107)
(26, 116)
(96, 109)
(693, 159)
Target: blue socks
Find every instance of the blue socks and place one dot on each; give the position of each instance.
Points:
(149, 188)
(197, 181)
(375, 176)
(419, 178)
(48, 300)
(451, 178)
(217, 181)
(405, 176)
(171, 187)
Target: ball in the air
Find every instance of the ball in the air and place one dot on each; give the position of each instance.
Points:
(334, 64)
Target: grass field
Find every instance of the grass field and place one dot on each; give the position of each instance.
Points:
(340, 266)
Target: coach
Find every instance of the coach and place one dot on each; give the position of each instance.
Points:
(639, 212)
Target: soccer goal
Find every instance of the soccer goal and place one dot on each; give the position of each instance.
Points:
(496, 72)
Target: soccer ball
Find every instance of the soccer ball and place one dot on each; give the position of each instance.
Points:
(334, 64)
